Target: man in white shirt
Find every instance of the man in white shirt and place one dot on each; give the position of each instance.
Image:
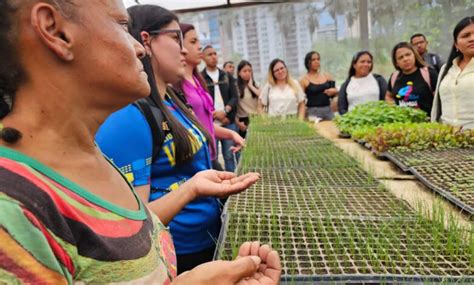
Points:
(223, 89)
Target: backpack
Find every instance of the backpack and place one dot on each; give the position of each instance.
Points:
(424, 72)
(156, 119)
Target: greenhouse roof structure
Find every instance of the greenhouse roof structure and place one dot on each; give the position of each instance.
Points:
(198, 5)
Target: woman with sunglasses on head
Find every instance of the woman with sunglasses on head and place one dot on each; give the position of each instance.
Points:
(413, 83)
(248, 96)
(281, 95)
(361, 85)
(197, 96)
(127, 137)
(319, 88)
(67, 215)
(454, 102)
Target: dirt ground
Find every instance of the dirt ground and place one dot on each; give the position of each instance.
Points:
(402, 185)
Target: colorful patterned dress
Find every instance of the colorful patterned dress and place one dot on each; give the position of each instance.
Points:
(52, 231)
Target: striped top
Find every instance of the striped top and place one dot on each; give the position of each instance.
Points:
(52, 231)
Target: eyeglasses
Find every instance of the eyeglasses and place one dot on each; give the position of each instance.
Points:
(177, 35)
(279, 69)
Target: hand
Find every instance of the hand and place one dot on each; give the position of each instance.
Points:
(251, 81)
(241, 126)
(331, 92)
(238, 141)
(225, 121)
(269, 270)
(219, 115)
(255, 264)
(219, 183)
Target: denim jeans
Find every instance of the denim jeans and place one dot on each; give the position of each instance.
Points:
(229, 157)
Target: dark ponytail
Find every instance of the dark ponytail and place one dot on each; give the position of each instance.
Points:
(11, 71)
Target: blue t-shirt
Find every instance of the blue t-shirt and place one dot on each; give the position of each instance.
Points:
(126, 138)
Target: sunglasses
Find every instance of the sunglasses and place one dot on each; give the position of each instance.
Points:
(177, 35)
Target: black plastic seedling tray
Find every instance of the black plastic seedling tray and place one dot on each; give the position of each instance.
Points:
(463, 197)
(343, 177)
(407, 159)
(394, 158)
(334, 249)
(373, 280)
(320, 201)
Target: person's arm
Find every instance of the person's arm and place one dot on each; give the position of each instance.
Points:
(301, 110)
(301, 101)
(203, 184)
(383, 87)
(389, 97)
(263, 99)
(242, 127)
(253, 88)
(255, 265)
(226, 134)
(342, 103)
(331, 92)
(231, 105)
(304, 83)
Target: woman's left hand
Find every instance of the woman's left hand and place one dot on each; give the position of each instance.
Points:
(220, 183)
(239, 142)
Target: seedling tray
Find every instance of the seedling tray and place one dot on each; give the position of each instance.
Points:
(407, 159)
(452, 180)
(323, 249)
(393, 157)
(326, 156)
(343, 177)
(363, 202)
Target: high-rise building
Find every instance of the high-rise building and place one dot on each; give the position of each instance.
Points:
(260, 34)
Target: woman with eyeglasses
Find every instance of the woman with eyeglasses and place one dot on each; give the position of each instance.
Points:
(319, 88)
(281, 95)
(127, 137)
(67, 215)
(193, 87)
(413, 83)
(361, 86)
(454, 101)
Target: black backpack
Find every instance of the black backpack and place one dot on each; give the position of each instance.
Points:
(155, 118)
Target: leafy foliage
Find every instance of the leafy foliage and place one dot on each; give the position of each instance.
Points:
(375, 114)
(410, 136)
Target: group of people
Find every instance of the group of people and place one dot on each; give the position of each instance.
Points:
(110, 143)
(420, 80)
